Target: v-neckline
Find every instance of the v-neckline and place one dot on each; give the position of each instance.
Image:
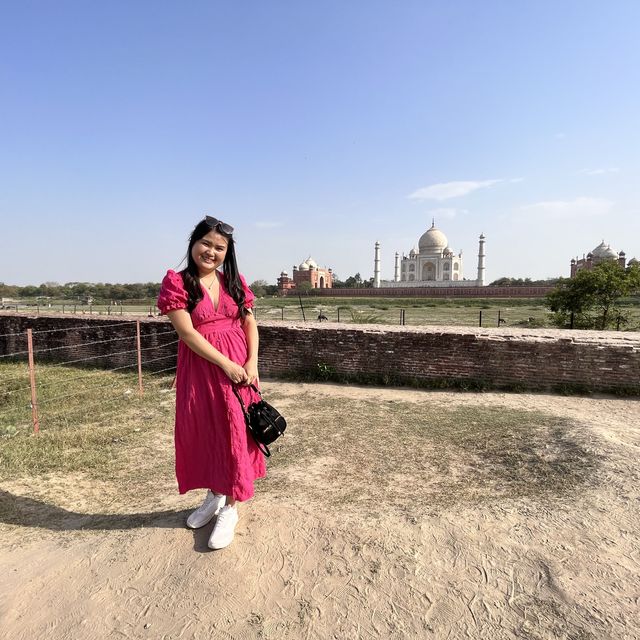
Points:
(208, 292)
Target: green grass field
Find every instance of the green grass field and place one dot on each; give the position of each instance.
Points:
(515, 312)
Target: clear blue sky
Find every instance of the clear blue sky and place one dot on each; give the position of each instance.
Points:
(315, 128)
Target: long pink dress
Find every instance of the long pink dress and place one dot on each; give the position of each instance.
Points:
(213, 449)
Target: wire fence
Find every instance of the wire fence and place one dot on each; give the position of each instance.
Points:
(58, 377)
(80, 309)
(418, 315)
(442, 312)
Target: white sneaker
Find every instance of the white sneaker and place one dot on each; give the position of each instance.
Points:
(205, 513)
(222, 533)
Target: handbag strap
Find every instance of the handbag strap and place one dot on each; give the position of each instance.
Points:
(244, 411)
(263, 447)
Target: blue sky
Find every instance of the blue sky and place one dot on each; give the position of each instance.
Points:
(315, 128)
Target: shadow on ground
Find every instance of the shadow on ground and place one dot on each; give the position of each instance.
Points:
(27, 512)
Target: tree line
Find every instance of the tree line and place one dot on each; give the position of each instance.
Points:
(79, 291)
(524, 282)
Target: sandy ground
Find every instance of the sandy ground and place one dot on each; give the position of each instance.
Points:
(79, 561)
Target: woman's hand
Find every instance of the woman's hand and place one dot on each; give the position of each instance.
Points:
(251, 369)
(235, 373)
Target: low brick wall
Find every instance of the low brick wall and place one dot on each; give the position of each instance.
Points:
(103, 342)
(541, 359)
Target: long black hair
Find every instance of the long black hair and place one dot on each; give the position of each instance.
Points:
(191, 275)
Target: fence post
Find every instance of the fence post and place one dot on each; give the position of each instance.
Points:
(302, 308)
(499, 317)
(480, 321)
(338, 314)
(32, 382)
(140, 389)
(282, 312)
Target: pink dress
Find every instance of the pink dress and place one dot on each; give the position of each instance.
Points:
(213, 449)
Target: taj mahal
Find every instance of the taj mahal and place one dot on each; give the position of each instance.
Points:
(432, 263)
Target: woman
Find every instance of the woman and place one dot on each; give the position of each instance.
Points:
(211, 312)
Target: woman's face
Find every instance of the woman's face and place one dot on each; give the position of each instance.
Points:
(208, 253)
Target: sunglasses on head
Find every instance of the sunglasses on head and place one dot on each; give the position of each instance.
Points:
(218, 224)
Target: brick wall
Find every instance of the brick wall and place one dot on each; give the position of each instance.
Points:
(543, 359)
(106, 342)
(540, 359)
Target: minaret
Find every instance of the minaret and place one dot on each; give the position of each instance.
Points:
(376, 266)
(396, 273)
(481, 261)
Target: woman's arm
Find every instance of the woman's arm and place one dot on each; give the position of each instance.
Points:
(181, 321)
(250, 328)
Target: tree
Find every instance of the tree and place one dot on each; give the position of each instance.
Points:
(590, 299)
(259, 288)
(337, 283)
(356, 282)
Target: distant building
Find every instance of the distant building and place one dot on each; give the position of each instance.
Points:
(307, 271)
(601, 253)
(432, 263)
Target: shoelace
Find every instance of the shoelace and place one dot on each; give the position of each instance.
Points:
(224, 515)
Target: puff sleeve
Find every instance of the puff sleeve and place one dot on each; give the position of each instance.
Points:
(172, 293)
(248, 294)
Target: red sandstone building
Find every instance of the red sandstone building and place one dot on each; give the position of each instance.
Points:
(307, 271)
(601, 253)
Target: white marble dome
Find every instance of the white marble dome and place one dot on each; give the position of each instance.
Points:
(433, 241)
(309, 263)
(604, 251)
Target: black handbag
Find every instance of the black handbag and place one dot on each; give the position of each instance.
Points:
(263, 421)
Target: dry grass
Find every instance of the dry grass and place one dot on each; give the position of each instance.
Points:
(459, 455)
(89, 419)
(444, 457)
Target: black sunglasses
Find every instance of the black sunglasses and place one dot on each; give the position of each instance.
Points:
(218, 224)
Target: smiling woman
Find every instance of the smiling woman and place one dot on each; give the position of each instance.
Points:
(218, 351)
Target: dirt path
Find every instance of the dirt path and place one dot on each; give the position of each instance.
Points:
(94, 560)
